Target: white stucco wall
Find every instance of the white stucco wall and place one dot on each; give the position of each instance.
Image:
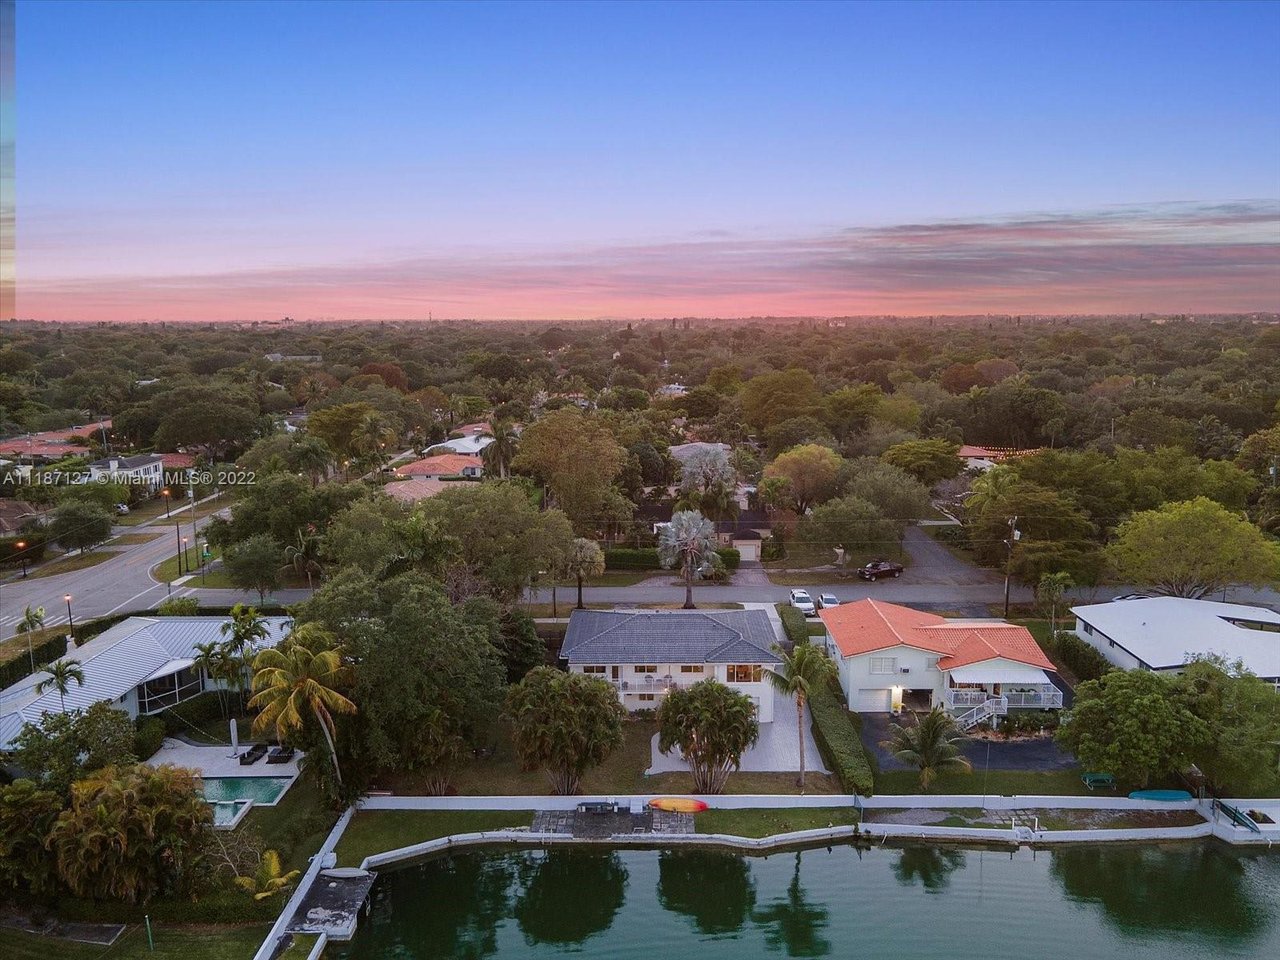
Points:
(1105, 646)
(761, 693)
(856, 675)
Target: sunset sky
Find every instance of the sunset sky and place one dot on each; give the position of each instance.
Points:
(191, 161)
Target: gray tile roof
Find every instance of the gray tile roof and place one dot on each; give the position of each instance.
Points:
(675, 636)
(128, 463)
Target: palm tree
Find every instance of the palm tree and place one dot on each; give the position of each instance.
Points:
(989, 489)
(372, 436)
(1049, 592)
(931, 746)
(585, 559)
(212, 658)
(803, 670)
(31, 621)
(499, 454)
(302, 676)
(312, 456)
(303, 555)
(269, 879)
(688, 541)
(245, 629)
(61, 673)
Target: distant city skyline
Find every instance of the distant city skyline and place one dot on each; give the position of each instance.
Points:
(203, 161)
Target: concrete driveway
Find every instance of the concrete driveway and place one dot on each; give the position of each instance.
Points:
(777, 750)
(1023, 755)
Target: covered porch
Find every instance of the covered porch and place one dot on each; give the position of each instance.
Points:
(979, 691)
(170, 685)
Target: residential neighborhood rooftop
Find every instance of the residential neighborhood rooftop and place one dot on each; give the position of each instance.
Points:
(669, 636)
(422, 488)
(1166, 632)
(440, 465)
(117, 660)
(868, 625)
(52, 444)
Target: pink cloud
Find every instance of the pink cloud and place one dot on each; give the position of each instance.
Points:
(1167, 258)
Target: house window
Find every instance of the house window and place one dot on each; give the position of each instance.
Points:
(594, 668)
(933, 663)
(744, 673)
(647, 697)
(884, 665)
(645, 668)
(691, 668)
(1087, 629)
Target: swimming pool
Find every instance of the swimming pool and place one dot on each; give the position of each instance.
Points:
(226, 813)
(264, 791)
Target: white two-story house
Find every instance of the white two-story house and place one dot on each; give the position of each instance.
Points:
(145, 470)
(892, 658)
(646, 653)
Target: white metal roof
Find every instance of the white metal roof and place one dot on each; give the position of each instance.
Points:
(999, 671)
(117, 660)
(1166, 632)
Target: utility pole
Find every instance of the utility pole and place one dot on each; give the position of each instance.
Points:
(1008, 562)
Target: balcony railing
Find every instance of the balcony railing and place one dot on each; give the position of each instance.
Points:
(651, 684)
(1048, 697)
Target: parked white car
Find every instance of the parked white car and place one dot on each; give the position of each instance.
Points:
(827, 600)
(801, 600)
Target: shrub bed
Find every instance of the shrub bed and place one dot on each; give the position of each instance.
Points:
(148, 737)
(839, 739)
(794, 623)
(731, 556)
(1081, 659)
(632, 558)
(43, 651)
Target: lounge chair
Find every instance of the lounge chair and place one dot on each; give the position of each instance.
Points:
(253, 754)
(280, 755)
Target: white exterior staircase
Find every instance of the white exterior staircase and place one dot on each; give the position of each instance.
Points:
(991, 707)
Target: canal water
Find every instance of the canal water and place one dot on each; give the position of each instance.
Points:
(1173, 902)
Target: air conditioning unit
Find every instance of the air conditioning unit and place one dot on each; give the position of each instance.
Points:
(904, 669)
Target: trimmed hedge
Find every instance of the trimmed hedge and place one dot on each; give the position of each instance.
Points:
(148, 737)
(1081, 659)
(794, 623)
(838, 735)
(731, 556)
(632, 558)
(44, 651)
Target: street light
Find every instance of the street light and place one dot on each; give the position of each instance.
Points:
(165, 494)
(22, 555)
(71, 624)
(186, 559)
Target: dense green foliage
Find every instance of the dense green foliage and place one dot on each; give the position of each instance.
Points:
(837, 732)
(713, 725)
(42, 652)
(1079, 657)
(563, 724)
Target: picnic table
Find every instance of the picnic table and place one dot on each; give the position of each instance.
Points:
(1095, 780)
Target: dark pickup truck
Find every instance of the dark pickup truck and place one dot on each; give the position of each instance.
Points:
(880, 568)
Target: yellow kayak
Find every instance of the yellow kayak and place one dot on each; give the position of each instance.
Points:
(677, 804)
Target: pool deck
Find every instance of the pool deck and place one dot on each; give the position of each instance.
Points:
(216, 761)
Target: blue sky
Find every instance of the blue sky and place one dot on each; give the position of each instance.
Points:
(196, 160)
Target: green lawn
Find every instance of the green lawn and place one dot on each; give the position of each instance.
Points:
(71, 563)
(376, 831)
(296, 826)
(172, 943)
(167, 570)
(154, 509)
(1054, 783)
(621, 774)
(792, 571)
(765, 823)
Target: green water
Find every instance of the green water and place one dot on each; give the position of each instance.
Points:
(259, 789)
(1170, 902)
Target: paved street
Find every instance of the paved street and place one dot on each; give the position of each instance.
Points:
(935, 580)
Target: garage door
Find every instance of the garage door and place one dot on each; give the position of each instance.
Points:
(873, 701)
(747, 549)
